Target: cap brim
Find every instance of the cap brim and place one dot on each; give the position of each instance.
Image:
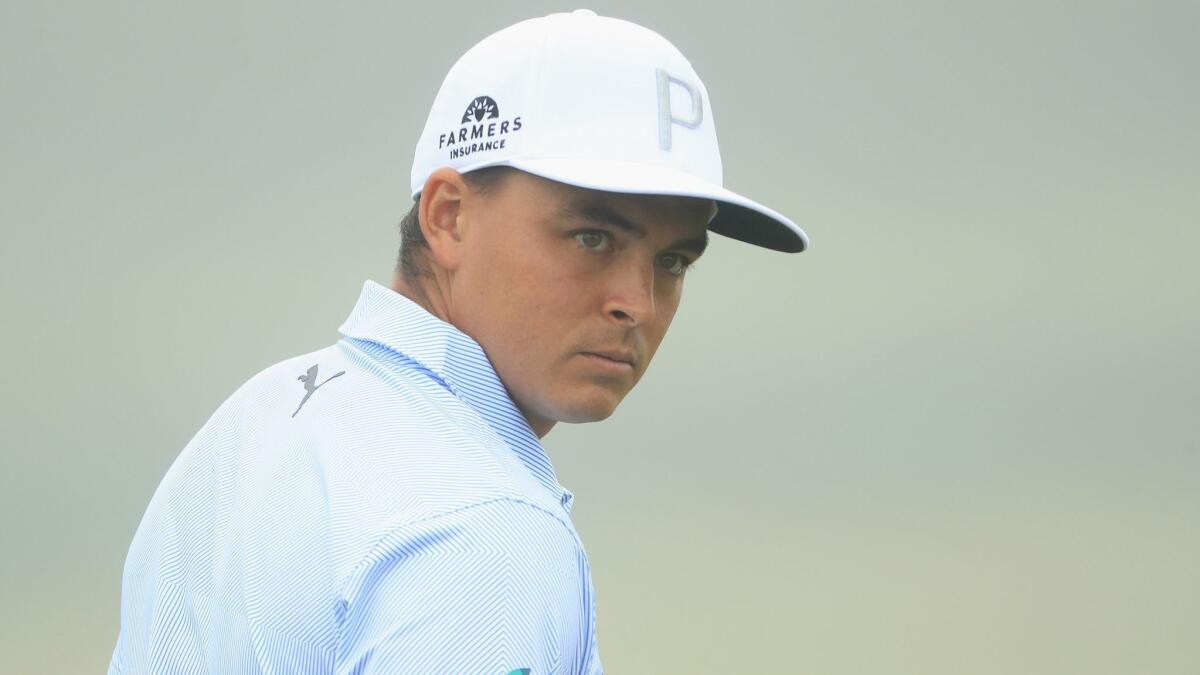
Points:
(737, 217)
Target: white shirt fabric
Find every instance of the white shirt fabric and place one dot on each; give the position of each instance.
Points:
(376, 506)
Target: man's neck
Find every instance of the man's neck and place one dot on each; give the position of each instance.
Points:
(423, 291)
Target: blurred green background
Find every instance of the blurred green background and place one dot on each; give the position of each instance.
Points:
(958, 435)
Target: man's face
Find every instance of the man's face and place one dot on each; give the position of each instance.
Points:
(570, 291)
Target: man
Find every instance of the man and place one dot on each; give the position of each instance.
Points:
(384, 505)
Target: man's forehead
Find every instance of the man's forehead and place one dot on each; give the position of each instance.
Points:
(577, 199)
(687, 217)
(690, 208)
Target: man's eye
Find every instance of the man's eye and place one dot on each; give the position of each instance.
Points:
(592, 240)
(673, 263)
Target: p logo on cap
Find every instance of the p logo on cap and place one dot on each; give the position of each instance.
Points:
(666, 116)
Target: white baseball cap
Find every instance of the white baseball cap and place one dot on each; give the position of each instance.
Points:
(593, 102)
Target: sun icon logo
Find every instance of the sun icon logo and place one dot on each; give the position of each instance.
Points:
(480, 108)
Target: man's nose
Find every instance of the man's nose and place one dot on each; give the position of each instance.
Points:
(630, 298)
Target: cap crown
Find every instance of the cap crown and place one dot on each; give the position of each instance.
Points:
(571, 86)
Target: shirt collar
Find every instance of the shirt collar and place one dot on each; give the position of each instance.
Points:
(389, 319)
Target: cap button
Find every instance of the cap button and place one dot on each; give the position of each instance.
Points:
(584, 12)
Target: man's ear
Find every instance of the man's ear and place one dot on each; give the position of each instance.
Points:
(440, 211)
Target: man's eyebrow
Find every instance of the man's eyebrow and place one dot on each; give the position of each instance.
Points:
(599, 213)
(694, 244)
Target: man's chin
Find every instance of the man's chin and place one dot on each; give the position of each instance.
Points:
(577, 405)
(584, 419)
(590, 409)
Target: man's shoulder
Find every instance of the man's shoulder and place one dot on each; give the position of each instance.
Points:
(392, 447)
(338, 389)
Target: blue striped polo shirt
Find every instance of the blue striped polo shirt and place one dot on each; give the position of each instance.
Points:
(376, 506)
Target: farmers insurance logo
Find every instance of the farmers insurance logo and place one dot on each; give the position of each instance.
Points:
(481, 129)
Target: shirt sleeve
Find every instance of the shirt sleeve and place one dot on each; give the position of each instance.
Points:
(490, 589)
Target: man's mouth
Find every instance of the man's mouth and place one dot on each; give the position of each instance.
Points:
(612, 358)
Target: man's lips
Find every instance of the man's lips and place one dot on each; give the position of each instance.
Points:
(613, 358)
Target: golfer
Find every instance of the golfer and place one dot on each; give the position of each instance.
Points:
(384, 504)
